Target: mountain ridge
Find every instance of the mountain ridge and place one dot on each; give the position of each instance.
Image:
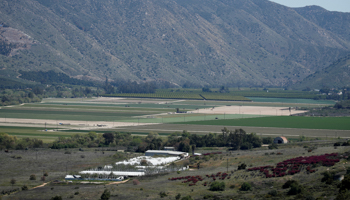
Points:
(211, 42)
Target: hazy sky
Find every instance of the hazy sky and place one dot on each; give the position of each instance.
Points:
(332, 5)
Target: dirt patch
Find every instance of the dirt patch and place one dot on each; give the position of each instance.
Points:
(42, 185)
(82, 125)
(119, 182)
(251, 110)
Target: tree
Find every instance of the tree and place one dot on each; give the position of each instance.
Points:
(206, 89)
(13, 181)
(92, 135)
(267, 140)
(109, 138)
(105, 195)
(193, 148)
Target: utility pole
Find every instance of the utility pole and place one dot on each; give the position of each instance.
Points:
(227, 165)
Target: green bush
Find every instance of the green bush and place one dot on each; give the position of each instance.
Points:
(246, 187)
(178, 196)
(187, 198)
(56, 198)
(24, 188)
(217, 186)
(295, 189)
(32, 177)
(105, 195)
(273, 193)
(162, 194)
(345, 184)
(288, 184)
(327, 177)
(242, 166)
(273, 146)
(267, 140)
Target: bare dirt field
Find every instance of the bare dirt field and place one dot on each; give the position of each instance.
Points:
(66, 123)
(251, 110)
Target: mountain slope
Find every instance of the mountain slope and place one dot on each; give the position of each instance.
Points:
(337, 75)
(216, 42)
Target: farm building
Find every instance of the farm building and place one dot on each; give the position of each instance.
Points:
(169, 148)
(165, 153)
(280, 140)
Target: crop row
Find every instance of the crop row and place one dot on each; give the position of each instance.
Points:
(252, 93)
(182, 95)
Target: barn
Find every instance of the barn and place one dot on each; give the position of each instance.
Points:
(280, 140)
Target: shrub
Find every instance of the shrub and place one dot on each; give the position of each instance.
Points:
(345, 184)
(273, 193)
(56, 198)
(246, 187)
(327, 177)
(46, 174)
(273, 146)
(105, 195)
(343, 195)
(32, 177)
(337, 144)
(162, 194)
(309, 197)
(295, 188)
(288, 184)
(13, 181)
(178, 196)
(136, 182)
(217, 186)
(24, 187)
(232, 186)
(187, 198)
(242, 166)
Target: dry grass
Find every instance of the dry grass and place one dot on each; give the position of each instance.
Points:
(54, 162)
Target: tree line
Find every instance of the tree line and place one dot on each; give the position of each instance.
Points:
(234, 139)
(12, 142)
(182, 141)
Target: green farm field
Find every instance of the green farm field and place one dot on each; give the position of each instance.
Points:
(138, 116)
(334, 123)
(34, 132)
